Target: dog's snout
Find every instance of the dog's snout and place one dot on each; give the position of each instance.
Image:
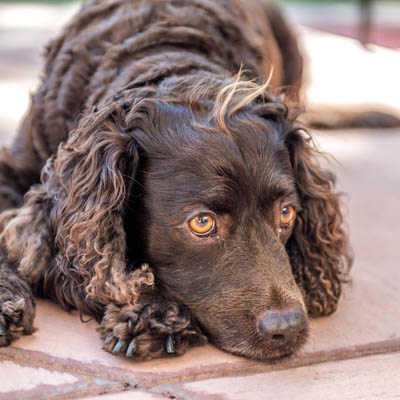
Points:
(282, 327)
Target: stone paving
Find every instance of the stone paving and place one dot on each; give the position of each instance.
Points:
(353, 354)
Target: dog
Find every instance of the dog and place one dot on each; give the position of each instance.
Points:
(162, 184)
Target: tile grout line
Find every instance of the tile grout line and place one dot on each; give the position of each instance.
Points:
(141, 379)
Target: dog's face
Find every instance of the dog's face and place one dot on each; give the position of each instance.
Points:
(217, 190)
(214, 214)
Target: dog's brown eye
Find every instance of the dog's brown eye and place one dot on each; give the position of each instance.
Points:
(202, 225)
(287, 215)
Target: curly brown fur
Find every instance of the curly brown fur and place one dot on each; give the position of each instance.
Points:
(17, 306)
(148, 325)
(144, 122)
(318, 248)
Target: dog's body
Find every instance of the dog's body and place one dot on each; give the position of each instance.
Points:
(172, 162)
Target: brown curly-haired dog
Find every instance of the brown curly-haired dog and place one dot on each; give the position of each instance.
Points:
(178, 200)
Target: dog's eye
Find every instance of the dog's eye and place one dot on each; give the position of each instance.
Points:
(202, 225)
(287, 215)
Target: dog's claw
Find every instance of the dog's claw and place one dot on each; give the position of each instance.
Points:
(2, 330)
(117, 348)
(170, 345)
(131, 348)
(107, 339)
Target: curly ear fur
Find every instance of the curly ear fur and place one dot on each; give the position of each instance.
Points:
(318, 248)
(92, 170)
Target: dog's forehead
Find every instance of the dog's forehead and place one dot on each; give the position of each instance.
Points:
(204, 167)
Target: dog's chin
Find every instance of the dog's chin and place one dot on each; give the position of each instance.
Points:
(264, 354)
(263, 351)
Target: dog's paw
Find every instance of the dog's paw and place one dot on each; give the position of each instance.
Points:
(16, 316)
(148, 331)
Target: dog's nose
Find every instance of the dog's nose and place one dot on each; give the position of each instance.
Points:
(282, 327)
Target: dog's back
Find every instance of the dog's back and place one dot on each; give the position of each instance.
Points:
(113, 44)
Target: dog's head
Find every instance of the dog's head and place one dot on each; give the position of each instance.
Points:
(226, 203)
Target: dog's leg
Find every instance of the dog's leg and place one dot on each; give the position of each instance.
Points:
(24, 256)
(17, 306)
(145, 331)
(154, 325)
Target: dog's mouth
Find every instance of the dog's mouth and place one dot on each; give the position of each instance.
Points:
(257, 349)
(272, 335)
(266, 353)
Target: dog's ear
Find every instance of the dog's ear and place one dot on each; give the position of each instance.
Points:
(318, 247)
(92, 173)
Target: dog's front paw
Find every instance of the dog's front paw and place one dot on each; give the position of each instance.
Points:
(148, 331)
(16, 315)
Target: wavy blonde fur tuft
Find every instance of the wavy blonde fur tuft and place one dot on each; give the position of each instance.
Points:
(235, 96)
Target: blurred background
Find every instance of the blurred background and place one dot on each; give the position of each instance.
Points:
(370, 21)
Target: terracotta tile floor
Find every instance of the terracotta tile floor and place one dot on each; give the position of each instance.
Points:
(353, 354)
